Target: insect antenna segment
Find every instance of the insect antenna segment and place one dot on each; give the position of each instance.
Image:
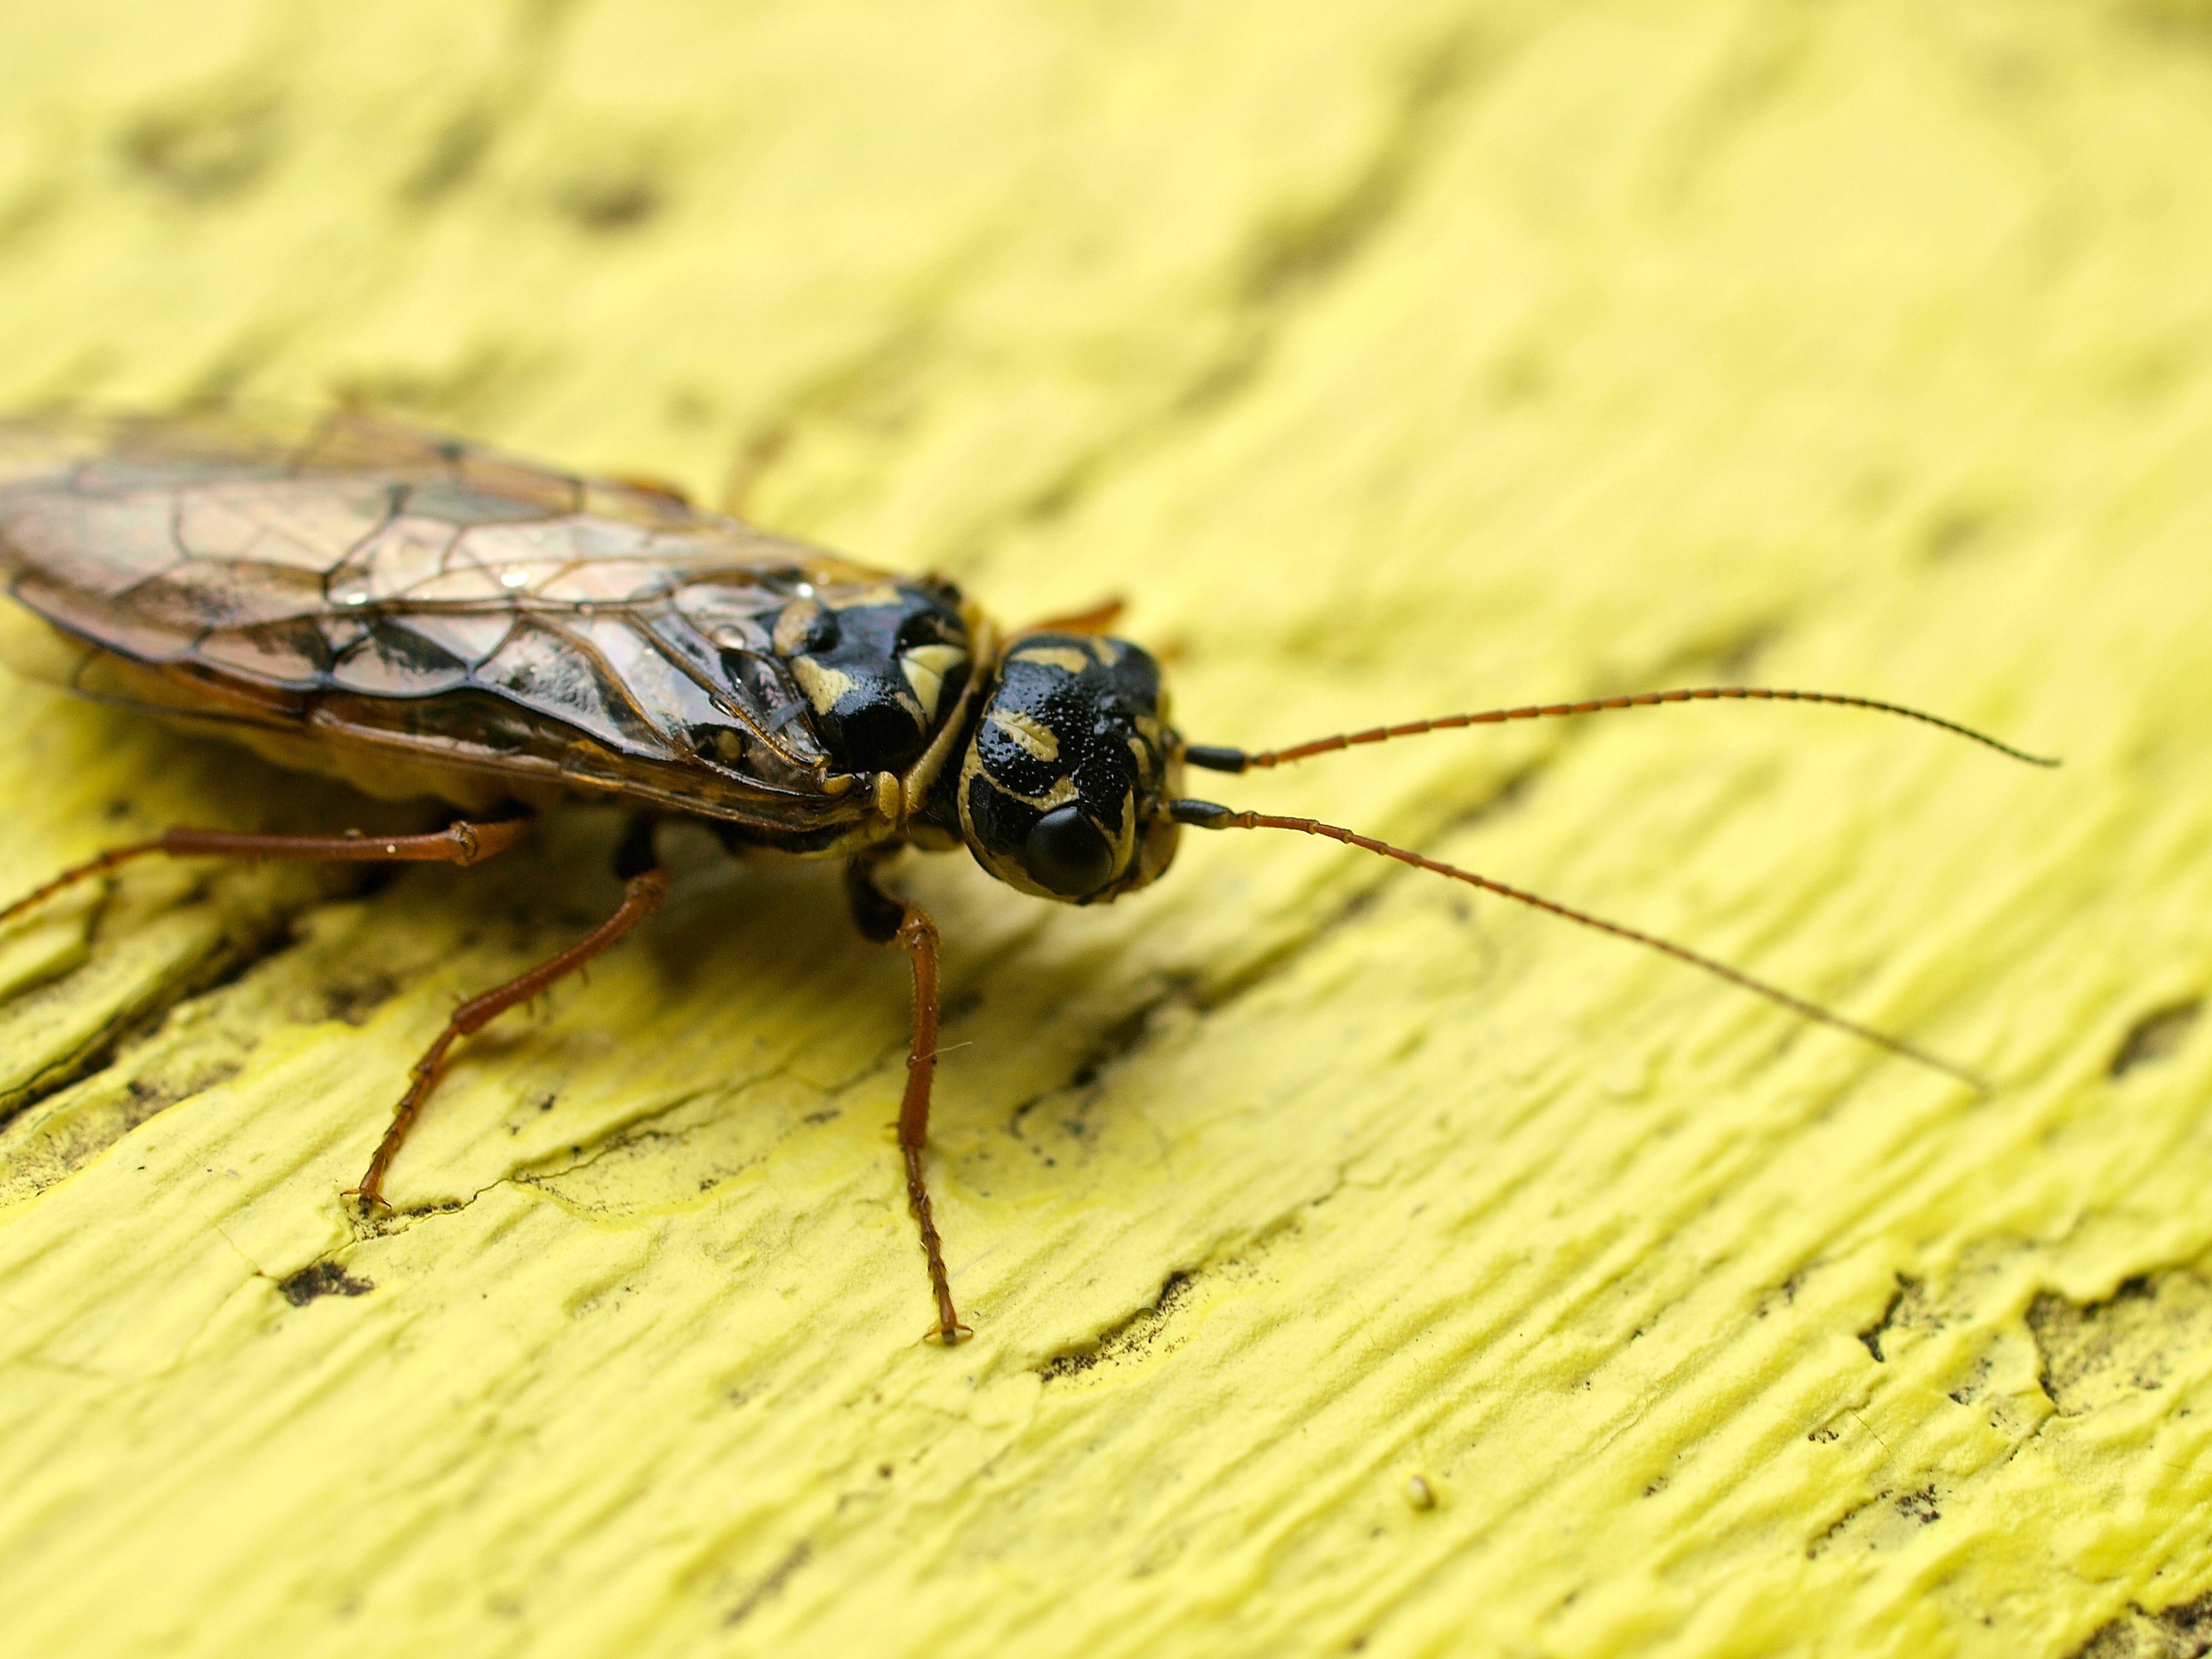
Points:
(1206, 815)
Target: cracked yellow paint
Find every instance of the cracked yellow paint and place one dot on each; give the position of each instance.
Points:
(1353, 1263)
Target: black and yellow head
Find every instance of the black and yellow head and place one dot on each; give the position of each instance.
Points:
(1069, 763)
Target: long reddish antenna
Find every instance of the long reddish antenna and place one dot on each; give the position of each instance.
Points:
(1217, 759)
(1205, 815)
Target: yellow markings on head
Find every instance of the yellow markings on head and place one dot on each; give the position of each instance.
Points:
(890, 799)
(1007, 869)
(1066, 658)
(1107, 651)
(822, 686)
(1126, 843)
(1062, 793)
(925, 667)
(1028, 733)
(971, 769)
(868, 597)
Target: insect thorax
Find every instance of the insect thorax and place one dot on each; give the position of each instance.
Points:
(879, 670)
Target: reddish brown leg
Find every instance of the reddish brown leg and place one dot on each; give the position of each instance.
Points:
(1096, 620)
(457, 843)
(919, 934)
(640, 898)
(888, 920)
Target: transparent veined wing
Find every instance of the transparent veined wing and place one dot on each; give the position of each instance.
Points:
(364, 585)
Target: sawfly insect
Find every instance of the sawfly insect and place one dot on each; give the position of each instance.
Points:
(422, 617)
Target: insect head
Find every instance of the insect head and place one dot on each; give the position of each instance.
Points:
(1060, 790)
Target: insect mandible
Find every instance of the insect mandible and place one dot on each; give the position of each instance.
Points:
(422, 617)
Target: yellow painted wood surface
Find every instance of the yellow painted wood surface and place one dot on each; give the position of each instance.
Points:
(1355, 1265)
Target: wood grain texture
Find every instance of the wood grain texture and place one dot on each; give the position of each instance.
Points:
(1355, 1265)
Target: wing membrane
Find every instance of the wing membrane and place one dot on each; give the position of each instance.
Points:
(364, 585)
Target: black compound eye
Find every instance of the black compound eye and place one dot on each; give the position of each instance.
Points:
(1065, 855)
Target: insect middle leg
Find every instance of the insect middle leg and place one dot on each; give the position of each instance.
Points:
(643, 892)
(887, 919)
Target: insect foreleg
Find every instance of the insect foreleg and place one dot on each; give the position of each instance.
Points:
(1098, 619)
(460, 842)
(642, 896)
(887, 919)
